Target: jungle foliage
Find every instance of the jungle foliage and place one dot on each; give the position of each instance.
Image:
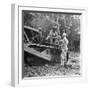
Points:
(70, 23)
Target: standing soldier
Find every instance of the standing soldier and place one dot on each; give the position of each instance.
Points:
(64, 49)
(58, 46)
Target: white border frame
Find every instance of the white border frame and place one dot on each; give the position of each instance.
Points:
(16, 68)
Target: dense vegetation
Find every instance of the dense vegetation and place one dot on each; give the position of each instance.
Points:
(70, 23)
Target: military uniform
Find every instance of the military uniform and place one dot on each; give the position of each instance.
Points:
(52, 36)
(64, 49)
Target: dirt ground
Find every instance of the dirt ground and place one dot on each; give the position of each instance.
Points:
(72, 68)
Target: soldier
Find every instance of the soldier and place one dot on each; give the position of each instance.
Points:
(64, 49)
(58, 46)
(58, 40)
(52, 35)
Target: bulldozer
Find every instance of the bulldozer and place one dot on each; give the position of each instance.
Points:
(38, 50)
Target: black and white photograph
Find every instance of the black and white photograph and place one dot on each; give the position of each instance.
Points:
(51, 44)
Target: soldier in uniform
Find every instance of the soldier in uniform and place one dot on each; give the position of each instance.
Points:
(58, 46)
(58, 40)
(52, 35)
(64, 49)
